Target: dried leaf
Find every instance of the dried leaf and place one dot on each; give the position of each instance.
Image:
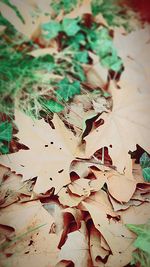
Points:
(128, 113)
(76, 248)
(35, 247)
(49, 157)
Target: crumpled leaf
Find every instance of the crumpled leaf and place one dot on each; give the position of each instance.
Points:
(127, 113)
(50, 153)
(76, 248)
(98, 253)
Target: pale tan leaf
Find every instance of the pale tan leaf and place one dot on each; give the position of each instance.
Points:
(35, 248)
(136, 58)
(113, 231)
(124, 127)
(98, 253)
(121, 187)
(95, 73)
(68, 199)
(50, 155)
(76, 248)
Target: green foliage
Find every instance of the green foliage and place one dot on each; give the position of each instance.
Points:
(19, 73)
(52, 106)
(70, 26)
(81, 56)
(79, 36)
(142, 244)
(66, 5)
(145, 164)
(5, 135)
(51, 29)
(115, 14)
(67, 90)
(101, 43)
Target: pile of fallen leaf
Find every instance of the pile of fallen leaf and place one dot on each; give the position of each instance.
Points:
(68, 194)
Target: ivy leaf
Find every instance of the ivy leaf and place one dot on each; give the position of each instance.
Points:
(51, 29)
(70, 26)
(146, 174)
(66, 5)
(3, 148)
(145, 164)
(67, 89)
(79, 73)
(81, 56)
(5, 131)
(143, 240)
(52, 106)
(101, 43)
(145, 160)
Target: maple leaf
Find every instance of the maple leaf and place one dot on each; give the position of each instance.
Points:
(50, 153)
(67, 89)
(124, 127)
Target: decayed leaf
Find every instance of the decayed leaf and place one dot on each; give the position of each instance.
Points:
(76, 248)
(113, 231)
(130, 115)
(121, 187)
(32, 247)
(66, 198)
(49, 157)
(95, 73)
(12, 187)
(99, 255)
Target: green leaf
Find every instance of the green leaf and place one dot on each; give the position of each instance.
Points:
(65, 5)
(67, 89)
(78, 72)
(4, 149)
(5, 131)
(70, 26)
(143, 240)
(146, 174)
(52, 106)
(82, 56)
(51, 29)
(145, 160)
